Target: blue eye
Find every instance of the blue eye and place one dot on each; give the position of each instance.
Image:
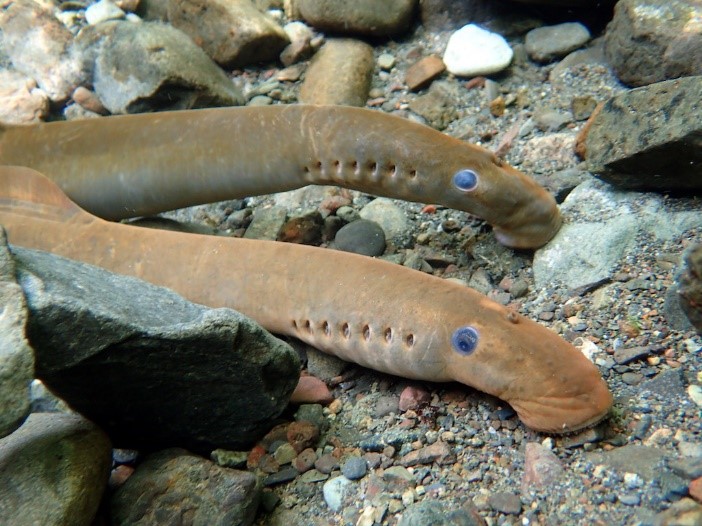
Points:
(465, 340)
(465, 180)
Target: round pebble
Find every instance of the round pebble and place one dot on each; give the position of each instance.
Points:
(334, 491)
(361, 237)
(354, 468)
(473, 51)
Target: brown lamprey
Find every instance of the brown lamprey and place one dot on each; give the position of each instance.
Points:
(135, 165)
(364, 310)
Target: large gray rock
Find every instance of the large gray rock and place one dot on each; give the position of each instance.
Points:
(40, 46)
(650, 138)
(600, 230)
(152, 66)
(232, 32)
(16, 357)
(173, 484)
(151, 368)
(54, 470)
(360, 17)
(653, 40)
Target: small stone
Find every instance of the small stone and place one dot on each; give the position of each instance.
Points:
(305, 229)
(630, 499)
(391, 218)
(88, 100)
(545, 44)
(302, 435)
(386, 61)
(473, 51)
(582, 107)
(504, 502)
(542, 468)
(422, 73)
(285, 454)
(286, 474)
(103, 11)
(229, 459)
(311, 390)
(335, 490)
(695, 489)
(413, 397)
(438, 452)
(305, 460)
(361, 237)
(266, 223)
(326, 463)
(354, 468)
(695, 394)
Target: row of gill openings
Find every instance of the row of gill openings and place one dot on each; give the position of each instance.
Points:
(371, 167)
(346, 331)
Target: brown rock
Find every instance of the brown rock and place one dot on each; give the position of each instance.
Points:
(304, 230)
(438, 452)
(311, 390)
(88, 100)
(359, 17)
(696, 489)
(232, 32)
(340, 73)
(302, 435)
(422, 73)
(413, 397)
(689, 281)
(541, 467)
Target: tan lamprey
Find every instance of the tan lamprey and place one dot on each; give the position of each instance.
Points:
(134, 165)
(371, 312)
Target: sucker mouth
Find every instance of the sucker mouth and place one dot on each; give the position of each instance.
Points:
(530, 419)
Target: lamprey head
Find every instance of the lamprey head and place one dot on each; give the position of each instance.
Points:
(549, 383)
(522, 213)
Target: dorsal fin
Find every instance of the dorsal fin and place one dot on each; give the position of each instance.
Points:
(24, 188)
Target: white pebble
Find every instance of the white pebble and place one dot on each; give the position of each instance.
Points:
(695, 393)
(473, 51)
(334, 491)
(102, 11)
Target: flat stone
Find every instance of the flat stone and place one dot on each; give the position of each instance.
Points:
(54, 471)
(420, 74)
(174, 483)
(548, 43)
(21, 100)
(232, 32)
(473, 51)
(360, 17)
(340, 73)
(147, 365)
(266, 223)
(16, 356)
(438, 452)
(650, 41)
(152, 66)
(624, 147)
(504, 502)
(437, 513)
(39, 46)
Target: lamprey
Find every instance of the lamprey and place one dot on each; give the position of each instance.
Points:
(134, 165)
(375, 313)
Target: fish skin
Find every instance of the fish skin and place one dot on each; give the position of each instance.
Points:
(374, 313)
(134, 165)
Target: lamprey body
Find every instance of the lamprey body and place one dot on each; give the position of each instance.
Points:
(134, 165)
(364, 310)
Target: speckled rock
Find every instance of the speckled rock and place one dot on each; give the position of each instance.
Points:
(548, 43)
(340, 73)
(653, 40)
(388, 215)
(172, 485)
(148, 66)
(232, 32)
(624, 149)
(542, 468)
(266, 223)
(39, 46)
(438, 513)
(21, 100)
(336, 491)
(95, 333)
(689, 285)
(361, 17)
(54, 470)
(16, 357)
(361, 237)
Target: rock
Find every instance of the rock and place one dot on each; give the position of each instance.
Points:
(420, 74)
(504, 502)
(685, 512)
(601, 229)
(548, 43)
(337, 490)
(266, 223)
(302, 435)
(305, 229)
(54, 470)
(311, 390)
(340, 73)
(361, 17)
(151, 66)
(437, 106)
(354, 468)
(388, 215)
(103, 11)
(176, 487)
(361, 237)
(624, 149)
(413, 397)
(21, 100)
(650, 41)
(16, 357)
(542, 468)
(473, 51)
(39, 46)
(232, 32)
(151, 368)
(438, 452)
(689, 285)
(300, 47)
(437, 513)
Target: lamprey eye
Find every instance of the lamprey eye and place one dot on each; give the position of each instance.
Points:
(465, 340)
(465, 180)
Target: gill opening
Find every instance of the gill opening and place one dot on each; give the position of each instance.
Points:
(319, 330)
